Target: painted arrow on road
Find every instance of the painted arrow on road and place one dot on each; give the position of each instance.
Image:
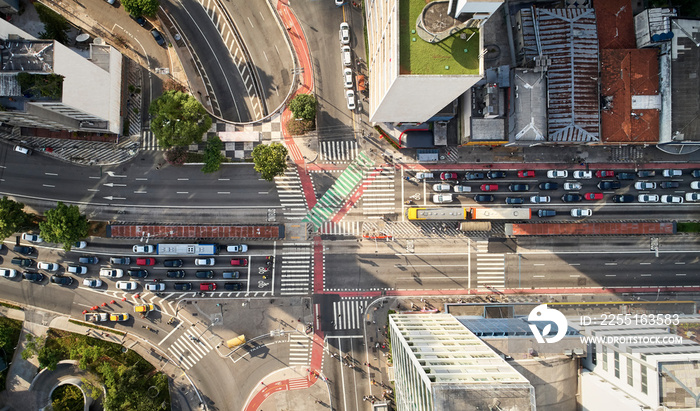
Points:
(110, 198)
(111, 174)
(114, 185)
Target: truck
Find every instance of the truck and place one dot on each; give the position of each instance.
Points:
(187, 249)
(96, 317)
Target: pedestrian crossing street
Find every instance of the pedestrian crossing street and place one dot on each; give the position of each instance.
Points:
(296, 272)
(291, 194)
(338, 151)
(348, 312)
(299, 350)
(189, 349)
(379, 195)
(350, 228)
(149, 141)
(490, 267)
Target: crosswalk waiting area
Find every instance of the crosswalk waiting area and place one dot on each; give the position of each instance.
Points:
(348, 313)
(189, 349)
(297, 268)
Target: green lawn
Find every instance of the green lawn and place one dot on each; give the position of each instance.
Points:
(9, 332)
(421, 57)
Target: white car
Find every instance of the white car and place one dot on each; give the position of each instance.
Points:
(442, 198)
(344, 33)
(112, 272)
(347, 78)
(47, 266)
(539, 199)
(204, 261)
(695, 185)
(8, 273)
(238, 248)
(127, 285)
(645, 185)
(557, 173)
(155, 287)
(583, 175)
(672, 199)
(648, 198)
(692, 197)
(672, 173)
(572, 186)
(462, 189)
(80, 244)
(581, 212)
(439, 188)
(77, 269)
(92, 282)
(32, 237)
(350, 96)
(147, 249)
(424, 176)
(339, 2)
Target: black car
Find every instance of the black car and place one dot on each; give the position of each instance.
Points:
(61, 280)
(22, 262)
(88, 259)
(23, 249)
(204, 274)
(519, 187)
(548, 186)
(33, 277)
(695, 173)
(571, 198)
(139, 20)
(176, 273)
(496, 174)
(670, 184)
(232, 286)
(484, 198)
(609, 185)
(158, 37)
(514, 200)
(626, 176)
(120, 260)
(546, 213)
(628, 198)
(474, 176)
(646, 173)
(140, 273)
(183, 286)
(172, 263)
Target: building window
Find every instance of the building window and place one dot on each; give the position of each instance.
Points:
(617, 364)
(644, 379)
(605, 358)
(629, 371)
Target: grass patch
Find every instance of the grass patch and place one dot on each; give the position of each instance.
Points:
(688, 227)
(9, 336)
(97, 327)
(421, 57)
(97, 228)
(194, 157)
(8, 305)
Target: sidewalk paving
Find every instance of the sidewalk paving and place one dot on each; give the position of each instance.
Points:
(291, 389)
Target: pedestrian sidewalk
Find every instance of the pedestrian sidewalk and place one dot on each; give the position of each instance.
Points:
(292, 389)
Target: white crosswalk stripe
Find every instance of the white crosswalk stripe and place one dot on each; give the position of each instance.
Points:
(187, 351)
(149, 141)
(297, 268)
(379, 195)
(347, 313)
(291, 195)
(351, 228)
(490, 267)
(338, 151)
(299, 350)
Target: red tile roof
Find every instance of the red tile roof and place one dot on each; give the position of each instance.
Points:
(615, 24)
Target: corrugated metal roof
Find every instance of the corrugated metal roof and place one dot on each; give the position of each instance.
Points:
(9, 86)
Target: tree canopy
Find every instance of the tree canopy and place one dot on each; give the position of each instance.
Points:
(270, 160)
(212, 155)
(303, 106)
(12, 217)
(139, 8)
(55, 26)
(178, 119)
(64, 224)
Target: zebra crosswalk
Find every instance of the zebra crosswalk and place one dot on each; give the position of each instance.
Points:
(297, 268)
(299, 350)
(338, 151)
(291, 194)
(350, 228)
(490, 267)
(379, 195)
(348, 312)
(189, 349)
(149, 141)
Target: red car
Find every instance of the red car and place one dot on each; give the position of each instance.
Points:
(489, 187)
(604, 173)
(526, 173)
(241, 262)
(593, 196)
(146, 261)
(446, 175)
(207, 287)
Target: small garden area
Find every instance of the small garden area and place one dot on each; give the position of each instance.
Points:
(49, 86)
(9, 338)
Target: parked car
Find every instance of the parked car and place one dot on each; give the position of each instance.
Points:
(23, 150)
(350, 97)
(88, 259)
(448, 175)
(120, 260)
(695, 185)
(671, 199)
(496, 174)
(138, 19)
(462, 189)
(23, 249)
(80, 244)
(626, 176)
(646, 173)
(546, 213)
(609, 185)
(672, 173)
(581, 212)
(670, 184)
(204, 274)
(158, 37)
(583, 175)
(175, 274)
(34, 238)
(692, 197)
(62, 280)
(648, 198)
(347, 77)
(110, 2)
(593, 196)
(442, 198)
(207, 287)
(604, 173)
(237, 248)
(77, 269)
(155, 287)
(112, 272)
(47, 266)
(519, 187)
(539, 199)
(548, 186)
(526, 173)
(144, 249)
(22, 262)
(557, 174)
(127, 285)
(344, 33)
(232, 286)
(489, 187)
(474, 176)
(695, 173)
(572, 186)
(138, 273)
(172, 263)
(33, 277)
(441, 187)
(231, 275)
(204, 261)
(240, 262)
(484, 198)
(514, 200)
(645, 185)
(8, 272)
(626, 198)
(92, 282)
(146, 261)
(183, 286)
(422, 175)
(571, 198)
(119, 317)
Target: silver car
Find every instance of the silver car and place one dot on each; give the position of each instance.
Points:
(539, 199)
(648, 198)
(645, 185)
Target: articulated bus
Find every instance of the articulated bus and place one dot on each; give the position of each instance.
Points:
(187, 249)
(468, 213)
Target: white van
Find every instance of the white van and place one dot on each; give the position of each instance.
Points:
(238, 248)
(346, 55)
(23, 150)
(424, 176)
